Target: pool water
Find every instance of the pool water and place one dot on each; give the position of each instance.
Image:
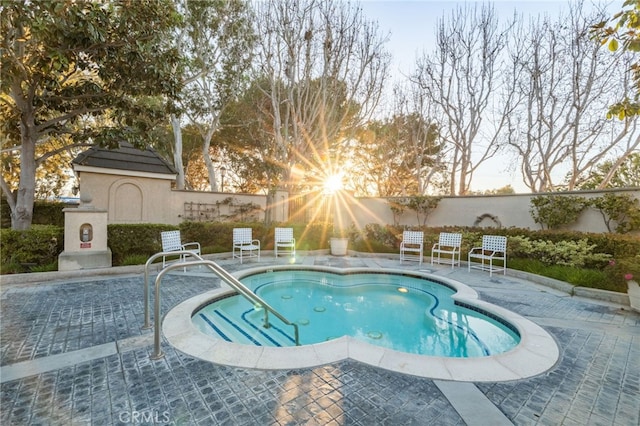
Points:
(404, 313)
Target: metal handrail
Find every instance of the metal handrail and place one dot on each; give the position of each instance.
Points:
(224, 276)
(147, 319)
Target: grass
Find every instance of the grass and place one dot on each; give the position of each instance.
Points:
(135, 259)
(582, 277)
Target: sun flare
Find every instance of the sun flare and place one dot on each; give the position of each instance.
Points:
(333, 183)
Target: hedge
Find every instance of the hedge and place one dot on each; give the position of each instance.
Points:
(39, 247)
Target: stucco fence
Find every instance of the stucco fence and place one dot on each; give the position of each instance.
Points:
(147, 199)
(496, 211)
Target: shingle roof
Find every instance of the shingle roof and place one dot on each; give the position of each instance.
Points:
(126, 157)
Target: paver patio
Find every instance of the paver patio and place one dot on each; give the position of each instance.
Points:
(73, 352)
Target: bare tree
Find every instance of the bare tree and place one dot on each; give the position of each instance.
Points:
(325, 67)
(558, 128)
(461, 78)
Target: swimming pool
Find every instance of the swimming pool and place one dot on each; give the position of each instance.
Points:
(534, 354)
(404, 313)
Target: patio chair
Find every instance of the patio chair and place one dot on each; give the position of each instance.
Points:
(243, 242)
(412, 246)
(449, 244)
(284, 241)
(494, 247)
(171, 241)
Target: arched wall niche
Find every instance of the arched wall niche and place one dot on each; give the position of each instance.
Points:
(127, 201)
(488, 220)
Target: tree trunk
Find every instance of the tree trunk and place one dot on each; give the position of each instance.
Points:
(206, 144)
(270, 205)
(177, 151)
(22, 214)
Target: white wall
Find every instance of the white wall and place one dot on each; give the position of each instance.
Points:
(135, 199)
(505, 210)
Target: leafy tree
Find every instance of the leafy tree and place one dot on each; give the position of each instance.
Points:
(52, 174)
(88, 71)
(611, 175)
(622, 31)
(193, 168)
(217, 40)
(397, 156)
(507, 189)
(247, 137)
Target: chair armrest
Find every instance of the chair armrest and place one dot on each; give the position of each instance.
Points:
(256, 242)
(186, 246)
(475, 249)
(291, 241)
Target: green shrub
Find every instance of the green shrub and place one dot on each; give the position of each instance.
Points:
(582, 277)
(50, 212)
(214, 237)
(44, 213)
(544, 252)
(384, 237)
(576, 253)
(11, 268)
(621, 209)
(554, 211)
(53, 266)
(40, 245)
(314, 236)
(618, 268)
(134, 239)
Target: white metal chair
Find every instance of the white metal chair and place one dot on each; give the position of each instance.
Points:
(494, 247)
(171, 241)
(243, 242)
(448, 243)
(412, 246)
(284, 241)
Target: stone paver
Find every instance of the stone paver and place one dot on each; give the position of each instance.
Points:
(596, 380)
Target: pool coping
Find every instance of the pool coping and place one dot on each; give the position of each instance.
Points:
(536, 353)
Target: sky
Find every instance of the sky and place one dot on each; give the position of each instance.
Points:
(411, 27)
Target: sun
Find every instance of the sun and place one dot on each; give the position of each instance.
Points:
(333, 183)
